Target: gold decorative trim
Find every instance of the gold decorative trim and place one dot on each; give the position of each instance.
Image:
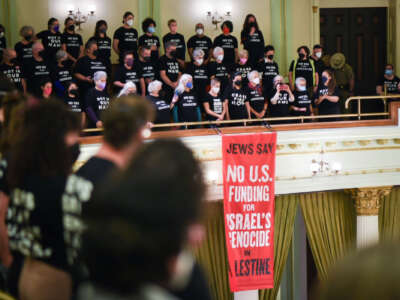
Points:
(313, 145)
(364, 142)
(348, 143)
(330, 144)
(382, 141)
(294, 146)
(367, 201)
(280, 147)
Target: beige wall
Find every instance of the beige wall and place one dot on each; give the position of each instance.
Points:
(188, 13)
(37, 12)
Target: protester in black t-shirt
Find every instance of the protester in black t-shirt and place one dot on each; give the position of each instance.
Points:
(51, 39)
(227, 42)
(258, 103)
(236, 99)
(185, 103)
(73, 101)
(129, 71)
(24, 47)
(147, 68)
(12, 69)
(170, 70)
(97, 100)
(199, 71)
(218, 69)
(268, 68)
(327, 97)
(71, 42)
(317, 58)
(149, 39)
(61, 74)
(103, 44)
(252, 40)
(46, 86)
(123, 125)
(243, 66)
(279, 99)
(302, 105)
(3, 41)
(126, 37)
(163, 112)
(200, 41)
(304, 67)
(35, 69)
(178, 39)
(388, 83)
(86, 66)
(213, 102)
(44, 212)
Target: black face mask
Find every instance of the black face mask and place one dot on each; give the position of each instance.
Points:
(103, 30)
(71, 28)
(95, 52)
(270, 57)
(74, 92)
(252, 24)
(74, 152)
(302, 55)
(173, 53)
(28, 38)
(13, 61)
(238, 82)
(42, 53)
(147, 58)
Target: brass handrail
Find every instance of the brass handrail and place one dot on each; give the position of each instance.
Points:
(362, 98)
(246, 121)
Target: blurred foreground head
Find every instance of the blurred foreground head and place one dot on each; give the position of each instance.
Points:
(372, 273)
(138, 224)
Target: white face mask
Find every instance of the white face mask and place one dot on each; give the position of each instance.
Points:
(301, 88)
(220, 57)
(256, 81)
(199, 31)
(318, 54)
(130, 22)
(215, 90)
(1, 34)
(200, 61)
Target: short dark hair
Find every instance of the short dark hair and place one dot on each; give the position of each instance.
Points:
(124, 118)
(146, 23)
(99, 23)
(50, 22)
(170, 21)
(306, 49)
(127, 14)
(146, 220)
(228, 24)
(317, 46)
(90, 43)
(129, 52)
(389, 65)
(269, 48)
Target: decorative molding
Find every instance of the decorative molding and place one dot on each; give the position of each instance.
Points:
(367, 201)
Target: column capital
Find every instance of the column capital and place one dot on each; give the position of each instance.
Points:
(367, 201)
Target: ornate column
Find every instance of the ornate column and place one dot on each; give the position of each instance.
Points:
(367, 202)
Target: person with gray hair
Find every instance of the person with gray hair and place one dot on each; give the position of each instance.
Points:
(218, 69)
(86, 66)
(24, 47)
(199, 72)
(36, 69)
(163, 112)
(128, 89)
(97, 100)
(61, 74)
(170, 70)
(200, 41)
(258, 103)
(302, 105)
(12, 69)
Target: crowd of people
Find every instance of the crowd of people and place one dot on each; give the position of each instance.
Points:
(218, 82)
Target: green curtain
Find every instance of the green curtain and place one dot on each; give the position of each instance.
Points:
(285, 215)
(8, 17)
(389, 217)
(212, 255)
(330, 220)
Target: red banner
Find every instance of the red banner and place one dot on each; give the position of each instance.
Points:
(249, 181)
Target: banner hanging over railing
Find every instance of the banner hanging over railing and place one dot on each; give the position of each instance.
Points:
(249, 181)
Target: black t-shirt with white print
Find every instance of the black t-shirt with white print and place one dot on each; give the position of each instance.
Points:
(327, 107)
(216, 104)
(256, 98)
(303, 69)
(128, 40)
(170, 66)
(188, 107)
(73, 103)
(163, 112)
(244, 69)
(104, 48)
(51, 43)
(179, 40)
(13, 73)
(24, 52)
(200, 78)
(392, 85)
(124, 75)
(87, 67)
(149, 41)
(301, 100)
(44, 219)
(268, 70)
(34, 72)
(204, 43)
(281, 107)
(254, 44)
(73, 43)
(237, 99)
(221, 71)
(98, 101)
(229, 43)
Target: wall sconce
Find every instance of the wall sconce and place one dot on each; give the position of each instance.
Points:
(79, 17)
(322, 167)
(216, 18)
